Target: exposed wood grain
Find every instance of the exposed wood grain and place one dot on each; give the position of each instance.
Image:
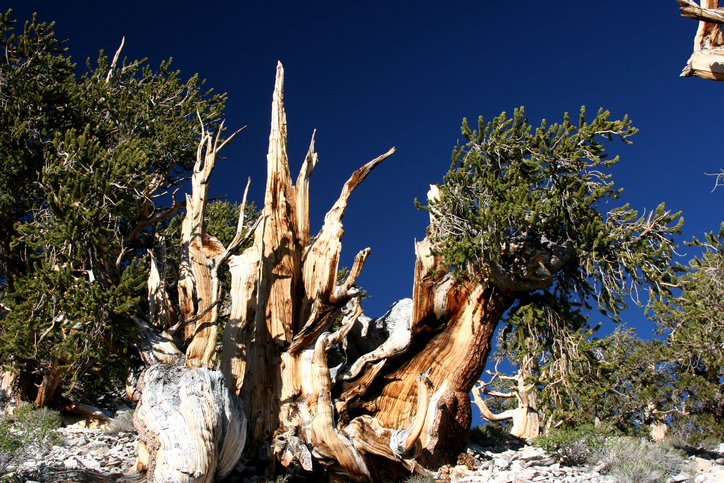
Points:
(707, 61)
(706, 64)
(526, 423)
(193, 426)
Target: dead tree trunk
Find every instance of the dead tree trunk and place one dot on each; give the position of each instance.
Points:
(399, 401)
(402, 395)
(707, 61)
(192, 427)
(526, 423)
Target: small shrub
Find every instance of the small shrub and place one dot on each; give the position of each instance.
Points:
(709, 443)
(122, 423)
(489, 434)
(419, 479)
(575, 446)
(675, 442)
(631, 460)
(32, 434)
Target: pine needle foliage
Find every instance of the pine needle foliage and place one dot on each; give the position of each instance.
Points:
(521, 208)
(88, 165)
(693, 326)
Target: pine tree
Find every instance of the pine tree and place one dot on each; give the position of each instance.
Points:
(619, 382)
(693, 327)
(86, 162)
(519, 212)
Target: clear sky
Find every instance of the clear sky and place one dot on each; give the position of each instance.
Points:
(376, 74)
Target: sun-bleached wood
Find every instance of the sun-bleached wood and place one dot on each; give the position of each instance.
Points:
(707, 61)
(200, 257)
(191, 426)
(525, 418)
(399, 401)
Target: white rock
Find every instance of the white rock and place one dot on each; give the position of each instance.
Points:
(472, 449)
(501, 463)
(505, 477)
(91, 464)
(703, 464)
(72, 463)
(528, 474)
(531, 453)
(459, 471)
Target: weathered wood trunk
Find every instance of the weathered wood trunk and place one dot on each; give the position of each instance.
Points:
(191, 425)
(402, 394)
(659, 430)
(51, 374)
(526, 423)
(400, 400)
(707, 61)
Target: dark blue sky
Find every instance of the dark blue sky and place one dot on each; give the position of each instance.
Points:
(372, 75)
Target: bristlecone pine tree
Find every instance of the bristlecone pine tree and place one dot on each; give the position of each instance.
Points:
(85, 162)
(694, 328)
(515, 224)
(618, 382)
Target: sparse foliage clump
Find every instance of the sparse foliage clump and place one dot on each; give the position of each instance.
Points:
(32, 434)
(633, 460)
(122, 423)
(576, 446)
(627, 459)
(521, 207)
(419, 479)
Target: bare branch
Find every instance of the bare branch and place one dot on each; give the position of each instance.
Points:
(109, 76)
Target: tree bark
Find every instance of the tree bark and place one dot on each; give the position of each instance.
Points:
(398, 402)
(51, 374)
(707, 61)
(526, 423)
(191, 426)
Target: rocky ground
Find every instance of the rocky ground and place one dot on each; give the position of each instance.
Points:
(100, 455)
(531, 464)
(80, 455)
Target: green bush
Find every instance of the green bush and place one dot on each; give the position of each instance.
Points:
(709, 443)
(489, 434)
(122, 423)
(419, 479)
(633, 460)
(575, 446)
(32, 434)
